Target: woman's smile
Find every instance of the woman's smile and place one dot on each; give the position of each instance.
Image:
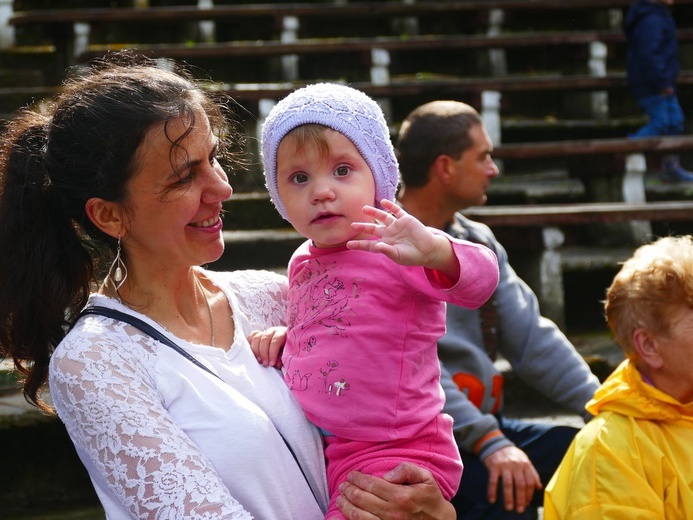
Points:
(213, 224)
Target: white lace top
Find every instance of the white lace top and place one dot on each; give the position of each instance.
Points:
(162, 438)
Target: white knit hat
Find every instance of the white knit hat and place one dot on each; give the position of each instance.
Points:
(341, 108)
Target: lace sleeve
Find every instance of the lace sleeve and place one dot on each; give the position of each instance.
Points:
(262, 297)
(133, 450)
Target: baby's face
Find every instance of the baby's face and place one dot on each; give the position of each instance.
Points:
(324, 191)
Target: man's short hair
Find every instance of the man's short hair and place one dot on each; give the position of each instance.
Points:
(651, 290)
(429, 131)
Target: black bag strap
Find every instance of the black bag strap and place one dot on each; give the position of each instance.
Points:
(146, 328)
(154, 333)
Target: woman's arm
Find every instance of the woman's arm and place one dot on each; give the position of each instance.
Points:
(134, 452)
(408, 491)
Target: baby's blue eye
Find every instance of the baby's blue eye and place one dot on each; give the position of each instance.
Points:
(342, 171)
(300, 178)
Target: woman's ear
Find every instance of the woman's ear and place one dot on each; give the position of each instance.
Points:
(647, 348)
(107, 216)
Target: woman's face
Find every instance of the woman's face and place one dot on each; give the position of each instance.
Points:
(676, 351)
(175, 199)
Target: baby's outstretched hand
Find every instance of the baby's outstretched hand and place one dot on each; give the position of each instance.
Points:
(402, 238)
(267, 345)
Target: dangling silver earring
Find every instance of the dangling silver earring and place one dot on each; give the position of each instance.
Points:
(117, 273)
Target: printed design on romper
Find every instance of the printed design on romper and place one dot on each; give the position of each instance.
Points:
(319, 299)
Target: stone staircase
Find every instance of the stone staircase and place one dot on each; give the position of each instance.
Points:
(525, 93)
(40, 473)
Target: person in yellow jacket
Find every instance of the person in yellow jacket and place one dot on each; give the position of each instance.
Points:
(634, 460)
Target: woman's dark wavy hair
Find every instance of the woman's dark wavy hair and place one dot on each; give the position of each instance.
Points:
(53, 159)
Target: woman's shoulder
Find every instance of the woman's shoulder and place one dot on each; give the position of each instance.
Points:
(251, 280)
(607, 435)
(252, 285)
(260, 296)
(100, 343)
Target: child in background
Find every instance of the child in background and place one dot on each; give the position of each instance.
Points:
(366, 291)
(652, 64)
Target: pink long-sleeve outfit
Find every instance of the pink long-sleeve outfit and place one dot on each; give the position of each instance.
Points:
(361, 356)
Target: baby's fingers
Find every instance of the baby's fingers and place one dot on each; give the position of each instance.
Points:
(267, 345)
(362, 245)
(254, 339)
(375, 213)
(368, 228)
(274, 349)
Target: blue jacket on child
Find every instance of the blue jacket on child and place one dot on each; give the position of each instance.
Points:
(652, 58)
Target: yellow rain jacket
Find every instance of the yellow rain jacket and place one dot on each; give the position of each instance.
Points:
(633, 461)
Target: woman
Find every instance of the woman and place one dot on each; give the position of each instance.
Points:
(124, 163)
(635, 458)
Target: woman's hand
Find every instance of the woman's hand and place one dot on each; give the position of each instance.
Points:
(406, 492)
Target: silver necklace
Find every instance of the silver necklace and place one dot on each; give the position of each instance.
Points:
(209, 308)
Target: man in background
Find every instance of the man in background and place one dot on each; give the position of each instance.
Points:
(445, 161)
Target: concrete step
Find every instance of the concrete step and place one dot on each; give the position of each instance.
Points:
(20, 78)
(272, 248)
(254, 210)
(522, 130)
(40, 469)
(600, 352)
(260, 249)
(55, 512)
(249, 211)
(8, 377)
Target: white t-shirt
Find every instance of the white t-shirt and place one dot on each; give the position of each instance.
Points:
(162, 438)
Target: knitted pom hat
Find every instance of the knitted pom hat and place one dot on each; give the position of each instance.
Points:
(341, 108)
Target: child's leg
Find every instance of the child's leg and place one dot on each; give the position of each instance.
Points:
(433, 448)
(675, 116)
(658, 117)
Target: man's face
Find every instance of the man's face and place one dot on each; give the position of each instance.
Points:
(474, 170)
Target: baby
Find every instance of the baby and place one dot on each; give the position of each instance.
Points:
(366, 290)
